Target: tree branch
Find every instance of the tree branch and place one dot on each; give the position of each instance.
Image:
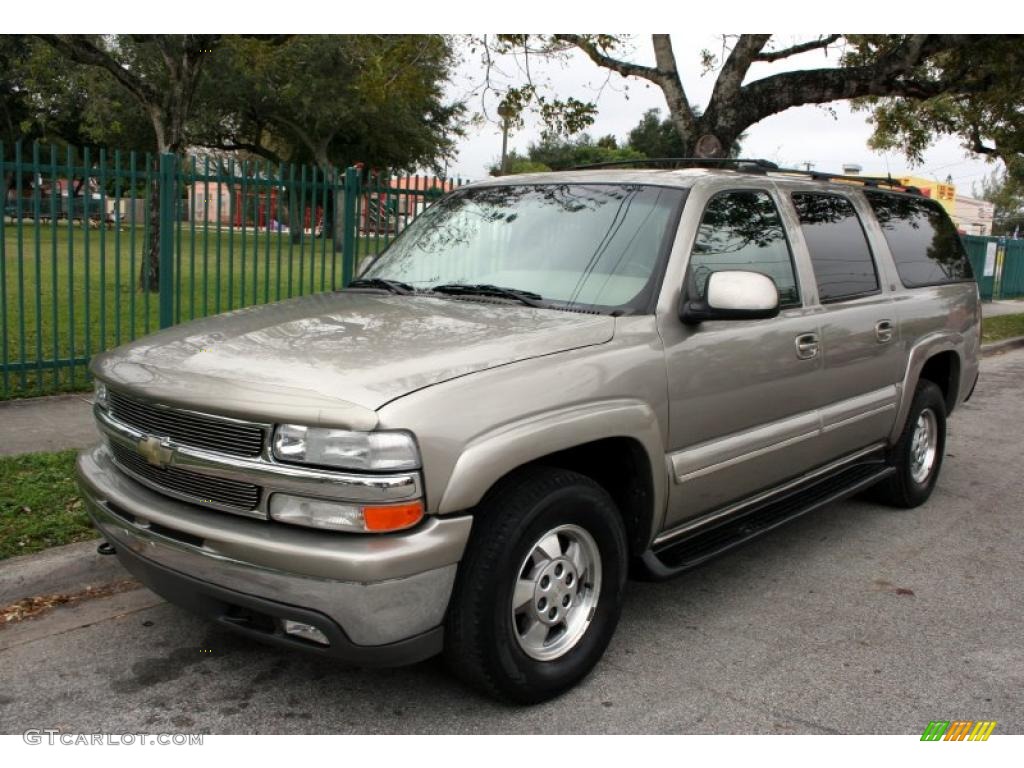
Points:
(890, 75)
(83, 51)
(785, 53)
(680, 110)
(624, 68)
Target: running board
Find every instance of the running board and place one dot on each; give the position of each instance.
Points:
(681, 554)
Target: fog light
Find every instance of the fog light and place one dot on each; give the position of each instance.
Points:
(305, 631)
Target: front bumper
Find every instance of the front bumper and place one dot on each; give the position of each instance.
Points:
(380, 599)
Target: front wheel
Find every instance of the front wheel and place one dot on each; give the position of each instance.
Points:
(917, 455)
(540, 587)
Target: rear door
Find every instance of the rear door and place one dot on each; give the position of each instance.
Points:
(860, 349)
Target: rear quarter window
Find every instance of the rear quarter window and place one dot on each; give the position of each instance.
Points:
(925, 245)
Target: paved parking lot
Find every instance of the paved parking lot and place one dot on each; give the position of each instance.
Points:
(856, 619)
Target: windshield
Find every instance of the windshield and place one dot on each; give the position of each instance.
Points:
(594, 245)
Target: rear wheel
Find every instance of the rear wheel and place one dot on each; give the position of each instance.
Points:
(917, 455)
(540, 587)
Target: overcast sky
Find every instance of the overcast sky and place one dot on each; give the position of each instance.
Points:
(804, 134)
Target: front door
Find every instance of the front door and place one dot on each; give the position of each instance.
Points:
(743, 394)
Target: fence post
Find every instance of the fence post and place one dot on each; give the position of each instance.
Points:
(168, 167)
(348, 248)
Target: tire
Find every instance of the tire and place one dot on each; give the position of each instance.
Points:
(908, 487)
(488, 641)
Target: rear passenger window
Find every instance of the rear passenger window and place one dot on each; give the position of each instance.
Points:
(924, 243)
(743, 230)
(838, 247)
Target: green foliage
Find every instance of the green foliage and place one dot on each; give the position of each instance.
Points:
(655, 137)
(982, 106)
(557, 154)
(39, 503)
(1001, 327)
(333, 99)
(78, 106)
(1006, 192)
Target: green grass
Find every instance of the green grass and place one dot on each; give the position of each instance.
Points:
(67, 292)
(39, 503)
(1002, 327)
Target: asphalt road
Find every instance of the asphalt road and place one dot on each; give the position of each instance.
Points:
(856, 619)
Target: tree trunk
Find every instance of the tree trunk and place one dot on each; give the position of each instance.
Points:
(149, 269)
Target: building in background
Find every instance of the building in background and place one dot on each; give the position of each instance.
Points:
(973, 216)
(943, 192)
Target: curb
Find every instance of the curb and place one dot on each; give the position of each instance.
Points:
(998, 347)
(70, 568)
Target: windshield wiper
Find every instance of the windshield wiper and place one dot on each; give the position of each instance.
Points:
(529, 298)
(391, 286)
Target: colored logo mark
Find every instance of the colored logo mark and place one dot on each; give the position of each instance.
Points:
(958, 730)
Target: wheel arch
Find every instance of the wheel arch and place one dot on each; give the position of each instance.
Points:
(598, 440)
(936, 358)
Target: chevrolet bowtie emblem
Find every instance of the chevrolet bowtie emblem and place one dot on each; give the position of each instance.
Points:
(155, 452)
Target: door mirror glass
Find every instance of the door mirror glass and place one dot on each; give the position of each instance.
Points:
(734, 295)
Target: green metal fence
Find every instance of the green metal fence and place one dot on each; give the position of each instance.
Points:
(998, 265)
(76, 236)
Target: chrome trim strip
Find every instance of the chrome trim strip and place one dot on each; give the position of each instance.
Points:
(265, 426)
(716, 515)
(255, 512)
(273, 476)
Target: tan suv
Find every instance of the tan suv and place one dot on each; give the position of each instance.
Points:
(544, 380)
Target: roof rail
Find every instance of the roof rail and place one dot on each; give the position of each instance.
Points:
(751, 165)
(866, 181)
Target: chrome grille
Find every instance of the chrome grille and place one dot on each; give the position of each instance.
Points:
(201, 489)
(197, 430)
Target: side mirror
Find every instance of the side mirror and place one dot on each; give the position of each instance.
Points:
(734, 295)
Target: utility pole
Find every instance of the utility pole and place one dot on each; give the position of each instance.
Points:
(506, 114)
(808, 166)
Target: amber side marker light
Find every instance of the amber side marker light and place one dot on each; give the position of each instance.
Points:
(392, 517)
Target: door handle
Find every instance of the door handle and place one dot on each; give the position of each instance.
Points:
(884, 331)
(807, 346)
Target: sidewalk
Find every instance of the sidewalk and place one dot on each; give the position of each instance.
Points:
(1002, 307)
(47, 424)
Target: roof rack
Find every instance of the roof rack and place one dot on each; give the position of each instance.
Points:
(752, 165)
(866, 181)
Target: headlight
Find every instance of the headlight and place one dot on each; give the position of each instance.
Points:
(99, 391)
(370, 451)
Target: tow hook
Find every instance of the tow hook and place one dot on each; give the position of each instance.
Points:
(106, 548)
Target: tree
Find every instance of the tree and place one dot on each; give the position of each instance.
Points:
(987, 119)
(336, 100)
(1006, 192)
(552, 153)
(161, 72)
(917, 67)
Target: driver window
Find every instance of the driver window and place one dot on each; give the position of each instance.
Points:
(742, 229)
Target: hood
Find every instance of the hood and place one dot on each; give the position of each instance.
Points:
(335, 358)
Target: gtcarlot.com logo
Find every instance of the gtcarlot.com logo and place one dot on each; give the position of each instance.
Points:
(958, 730)
(52, 736)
